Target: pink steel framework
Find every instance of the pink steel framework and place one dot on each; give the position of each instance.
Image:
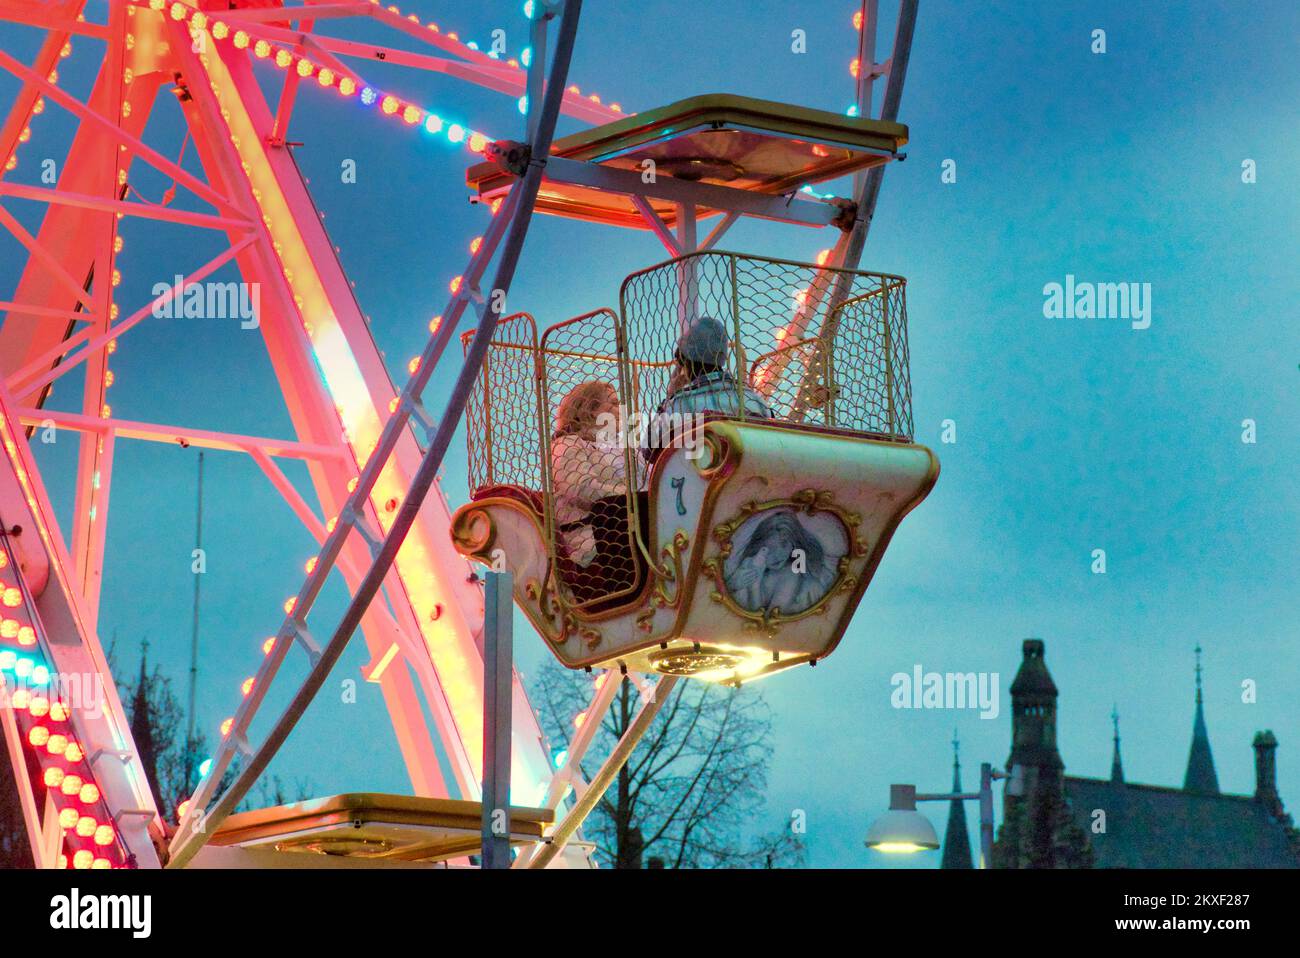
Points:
(368, 445)
(309, 320)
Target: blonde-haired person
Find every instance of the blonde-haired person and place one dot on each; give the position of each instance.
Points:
(589, 472)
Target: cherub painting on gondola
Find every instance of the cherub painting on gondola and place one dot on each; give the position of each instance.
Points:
(780, 564)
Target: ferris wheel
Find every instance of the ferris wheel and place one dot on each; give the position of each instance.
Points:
(702, 549)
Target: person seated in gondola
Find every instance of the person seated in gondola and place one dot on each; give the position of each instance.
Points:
(590, 489)
(701, 383)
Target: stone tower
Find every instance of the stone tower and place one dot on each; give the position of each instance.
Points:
(1037, 828)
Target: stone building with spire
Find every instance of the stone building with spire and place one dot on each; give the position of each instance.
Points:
(1054, 820)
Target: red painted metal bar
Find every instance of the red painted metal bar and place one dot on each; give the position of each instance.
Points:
(137, 147)
(189, 839)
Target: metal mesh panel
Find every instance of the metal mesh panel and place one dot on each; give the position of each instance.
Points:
(821, 346)
(502, 411)
(871, 337)
(791, 378)
(591, 477)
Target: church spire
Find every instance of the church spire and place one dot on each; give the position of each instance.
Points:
(1201, 776)
(956, 842)
(143, 721)
(1116, 766)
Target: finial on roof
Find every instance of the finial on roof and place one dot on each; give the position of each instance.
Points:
(1116, 766)
(956, 841)
(1201, 776)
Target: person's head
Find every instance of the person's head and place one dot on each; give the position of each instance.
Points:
(580, 410)
(703, 347)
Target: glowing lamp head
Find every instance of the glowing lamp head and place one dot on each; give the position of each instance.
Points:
(902, 829)
(71, 785)
(68, 818)
(83, 859)
(89, 793)
(104, 835)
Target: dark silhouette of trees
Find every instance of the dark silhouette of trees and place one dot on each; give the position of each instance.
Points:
(693, 790)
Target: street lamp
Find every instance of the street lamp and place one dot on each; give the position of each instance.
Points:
(903, 829)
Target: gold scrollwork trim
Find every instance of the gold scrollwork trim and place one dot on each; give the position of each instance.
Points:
(671, 570)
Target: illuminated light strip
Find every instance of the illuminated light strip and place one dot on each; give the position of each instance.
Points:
(90, 838)
(9, 442)
(409, 113)
(518, 64)
(361, 431)
(38, 107)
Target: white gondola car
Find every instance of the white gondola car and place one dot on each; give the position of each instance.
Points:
(724, 543)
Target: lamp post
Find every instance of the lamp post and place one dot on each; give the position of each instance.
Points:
(903, 829)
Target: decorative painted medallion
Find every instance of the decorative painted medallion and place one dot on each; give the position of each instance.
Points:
(783, 559)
